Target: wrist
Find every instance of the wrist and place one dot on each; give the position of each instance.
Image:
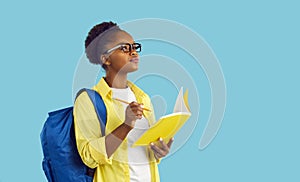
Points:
(129, 123)
(129, 126)
(122, 131)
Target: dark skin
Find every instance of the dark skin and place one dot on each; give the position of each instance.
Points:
(118, 65)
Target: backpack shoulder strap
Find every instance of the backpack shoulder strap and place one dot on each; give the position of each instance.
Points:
(99, 106)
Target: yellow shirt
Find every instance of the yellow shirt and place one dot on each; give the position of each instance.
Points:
(91, 143)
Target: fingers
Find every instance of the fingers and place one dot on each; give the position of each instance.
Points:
(170, 142)
(136, 109)
(133, 112)
(163, 149)
(164, 146)
(136, 106)
(158, 153)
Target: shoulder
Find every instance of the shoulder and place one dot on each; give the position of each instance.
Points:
(81, 98)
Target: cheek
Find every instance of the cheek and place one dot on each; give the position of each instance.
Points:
(121, 58)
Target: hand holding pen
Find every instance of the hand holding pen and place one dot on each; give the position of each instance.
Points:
(133, 112)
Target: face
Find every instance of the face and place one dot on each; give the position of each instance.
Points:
(119, 60)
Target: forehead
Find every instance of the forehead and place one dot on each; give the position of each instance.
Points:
(122, 37)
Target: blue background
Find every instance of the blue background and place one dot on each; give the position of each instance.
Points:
(256, 42)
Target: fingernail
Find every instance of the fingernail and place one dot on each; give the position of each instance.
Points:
(151, 144)
(160, 139)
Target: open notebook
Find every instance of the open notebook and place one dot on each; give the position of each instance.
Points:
(167, 126)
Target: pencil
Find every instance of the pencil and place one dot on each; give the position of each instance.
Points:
(129, 103)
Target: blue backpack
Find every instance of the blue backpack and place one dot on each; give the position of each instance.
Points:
(62, 162)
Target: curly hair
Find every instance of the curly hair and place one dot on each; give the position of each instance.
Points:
(92, 35)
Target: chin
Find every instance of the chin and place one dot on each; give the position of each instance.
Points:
(133, 70)
(130, 68)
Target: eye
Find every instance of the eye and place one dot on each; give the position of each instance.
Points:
(125, 48)
(136, 47)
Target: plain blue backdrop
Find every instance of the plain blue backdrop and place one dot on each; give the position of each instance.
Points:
(256, 42)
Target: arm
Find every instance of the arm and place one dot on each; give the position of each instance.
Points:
(133, 111)
(89, 140)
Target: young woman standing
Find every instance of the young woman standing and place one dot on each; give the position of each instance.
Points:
(110, 153)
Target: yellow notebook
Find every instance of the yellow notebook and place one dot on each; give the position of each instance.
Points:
(167, 126)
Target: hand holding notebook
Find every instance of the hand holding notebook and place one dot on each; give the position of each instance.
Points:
(167, 126)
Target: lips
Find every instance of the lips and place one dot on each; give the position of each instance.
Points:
(134, 60)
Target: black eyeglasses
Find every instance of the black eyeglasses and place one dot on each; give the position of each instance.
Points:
(126, 48)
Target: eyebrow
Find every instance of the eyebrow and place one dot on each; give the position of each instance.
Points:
(125, 43)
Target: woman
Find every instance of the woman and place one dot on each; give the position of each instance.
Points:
(111, 152)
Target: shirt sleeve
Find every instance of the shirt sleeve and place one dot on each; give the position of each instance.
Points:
(89, 140)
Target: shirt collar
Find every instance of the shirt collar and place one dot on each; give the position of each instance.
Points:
(136, 90)
(103, 88)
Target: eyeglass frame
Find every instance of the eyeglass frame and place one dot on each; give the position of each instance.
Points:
(122, 44)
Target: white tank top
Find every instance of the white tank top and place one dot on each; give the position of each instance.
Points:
(137, 156)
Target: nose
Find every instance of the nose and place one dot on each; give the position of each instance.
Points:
(133, 53)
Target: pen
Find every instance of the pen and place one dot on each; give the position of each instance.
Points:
(120, 100)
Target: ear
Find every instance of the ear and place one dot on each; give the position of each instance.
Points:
(103, 59)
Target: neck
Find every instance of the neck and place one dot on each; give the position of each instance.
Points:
(116, 80)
